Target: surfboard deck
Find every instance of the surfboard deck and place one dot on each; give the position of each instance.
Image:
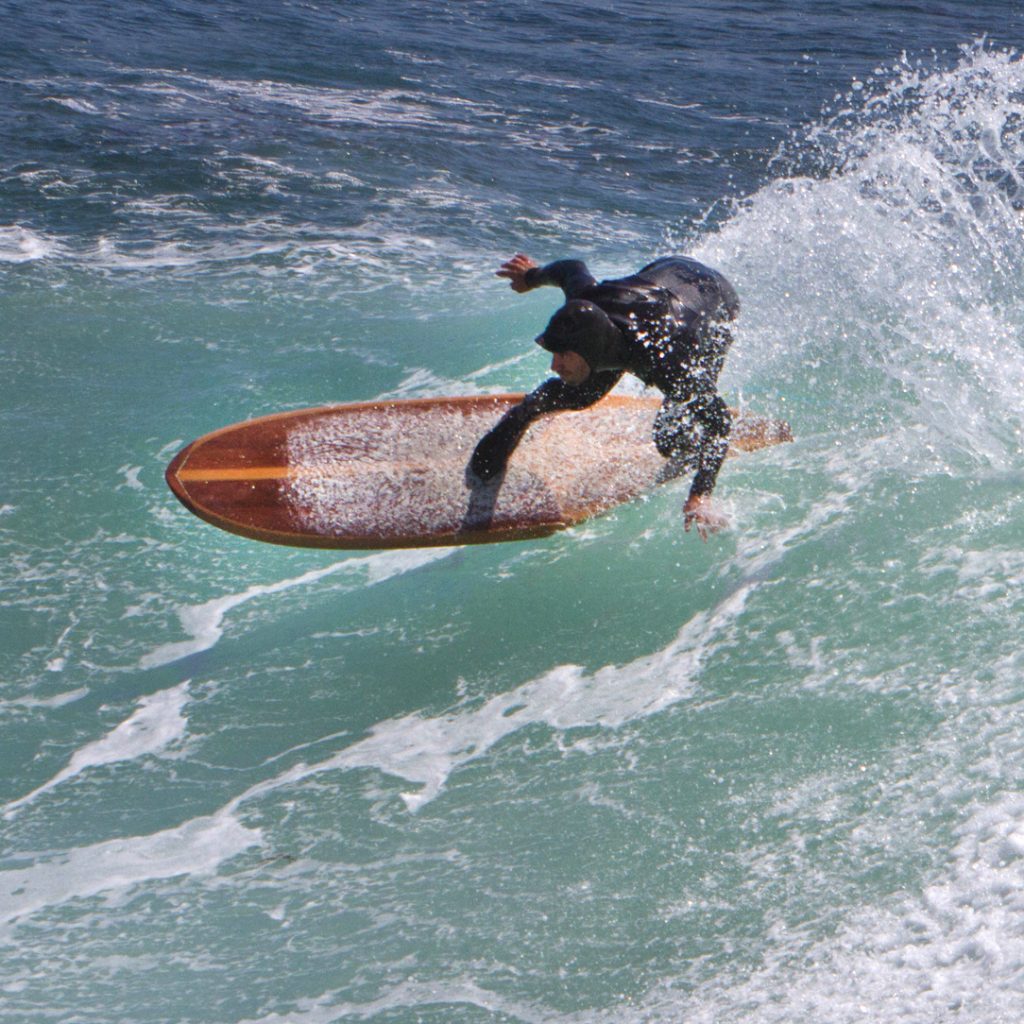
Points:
(392, 474)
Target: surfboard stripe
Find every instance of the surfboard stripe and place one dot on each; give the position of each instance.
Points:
(248, 473)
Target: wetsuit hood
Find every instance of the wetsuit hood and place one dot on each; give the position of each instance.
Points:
(582, 327)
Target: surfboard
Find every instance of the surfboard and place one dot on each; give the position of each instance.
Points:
(392, 474)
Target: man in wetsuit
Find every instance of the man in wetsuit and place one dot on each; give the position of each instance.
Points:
(666, 325)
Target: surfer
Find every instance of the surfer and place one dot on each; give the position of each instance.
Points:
(665, 324)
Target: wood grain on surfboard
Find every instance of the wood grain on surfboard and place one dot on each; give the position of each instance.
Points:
(391, 474)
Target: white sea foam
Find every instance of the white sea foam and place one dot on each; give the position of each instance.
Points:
(22, 245)
(56, 701)
(426, 750)
(157, 723)
(372, 107)
(197, 847)
(421, 382)
(131, 477)
(204, 622)
(412, 996)
(112, 253)
(954, 952)
(79, 106)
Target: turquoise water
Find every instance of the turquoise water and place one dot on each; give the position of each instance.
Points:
(612, 775)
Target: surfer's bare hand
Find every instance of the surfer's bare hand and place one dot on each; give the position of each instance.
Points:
(699, 513)
(515, 270)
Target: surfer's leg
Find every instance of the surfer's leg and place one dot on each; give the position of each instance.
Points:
(692, 434)
(677, 437)
(715, 340)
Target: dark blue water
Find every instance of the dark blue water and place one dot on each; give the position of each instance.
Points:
(574, 124)
(614, 775)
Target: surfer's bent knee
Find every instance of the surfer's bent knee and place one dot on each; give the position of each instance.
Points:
(675, 432)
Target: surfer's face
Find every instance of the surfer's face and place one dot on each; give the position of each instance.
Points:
(571, 367)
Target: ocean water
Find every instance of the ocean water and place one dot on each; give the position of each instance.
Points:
(616, 775)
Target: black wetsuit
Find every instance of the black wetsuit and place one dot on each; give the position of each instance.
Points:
(666, 325)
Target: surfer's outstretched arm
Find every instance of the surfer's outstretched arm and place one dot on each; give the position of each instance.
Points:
(698, 510)
(554, 395)
(572, 276)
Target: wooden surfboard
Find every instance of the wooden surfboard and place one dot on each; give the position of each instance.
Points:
(392, 474)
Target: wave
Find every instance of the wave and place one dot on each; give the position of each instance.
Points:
(882, 289)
